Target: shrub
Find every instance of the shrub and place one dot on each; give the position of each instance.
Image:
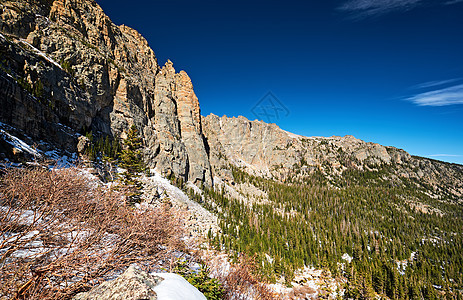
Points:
(60, 234)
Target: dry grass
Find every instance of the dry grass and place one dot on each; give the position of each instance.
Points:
(60, 235)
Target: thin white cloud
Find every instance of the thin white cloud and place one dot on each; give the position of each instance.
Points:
(435, 83)
(371, 8)
(453, 2)
(441, 97)
(363, 8)
(444, 155)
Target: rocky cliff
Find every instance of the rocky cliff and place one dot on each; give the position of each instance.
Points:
(266, 150)
(66, 69)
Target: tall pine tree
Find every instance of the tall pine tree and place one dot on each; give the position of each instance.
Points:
(131, 159)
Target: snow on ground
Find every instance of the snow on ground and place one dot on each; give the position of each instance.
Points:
(280, 288)
(18, 143)
(24, 217)
(170, 189)
(201, 219)
(62, 161)
(347, 257)
(175, 287)
(196, 189)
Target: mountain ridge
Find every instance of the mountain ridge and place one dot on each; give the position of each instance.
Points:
(100, 77)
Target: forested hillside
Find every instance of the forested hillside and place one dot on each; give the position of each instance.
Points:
(400, 242)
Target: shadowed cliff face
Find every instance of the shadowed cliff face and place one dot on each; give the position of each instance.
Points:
(94, 75)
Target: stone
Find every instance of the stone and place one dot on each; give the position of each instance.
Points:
(83, 144)
(133, 284)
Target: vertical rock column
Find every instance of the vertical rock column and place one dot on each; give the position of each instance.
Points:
(189, 115)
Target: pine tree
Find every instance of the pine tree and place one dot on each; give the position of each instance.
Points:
(131, 159)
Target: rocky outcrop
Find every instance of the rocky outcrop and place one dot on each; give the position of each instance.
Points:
(64, 63)
(135, 284)
(132, 284)
(181, 142)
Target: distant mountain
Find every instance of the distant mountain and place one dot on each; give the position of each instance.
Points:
(265, 150)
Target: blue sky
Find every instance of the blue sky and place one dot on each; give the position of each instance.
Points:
(385, 71)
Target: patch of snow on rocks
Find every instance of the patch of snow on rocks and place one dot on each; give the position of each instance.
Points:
(175, 287)
(196, 189)
(347, 257)
(62, 161)
(200, 218)
(18, 143)
(37, 51)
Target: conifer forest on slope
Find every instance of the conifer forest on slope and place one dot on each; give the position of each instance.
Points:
(399, 248)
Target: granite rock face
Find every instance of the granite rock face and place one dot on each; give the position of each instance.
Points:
(67, 69)
(133, 284)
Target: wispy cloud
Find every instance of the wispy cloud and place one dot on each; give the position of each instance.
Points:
(365, 8)
(372, 8)
(453, 2)
(441, 97)
(435, 82)
(444, 155)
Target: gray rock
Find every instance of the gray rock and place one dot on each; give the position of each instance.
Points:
(266, 150)
(83, 144)
(133, 284)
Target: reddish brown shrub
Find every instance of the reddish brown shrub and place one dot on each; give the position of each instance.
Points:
(61, 234)
(243, 282)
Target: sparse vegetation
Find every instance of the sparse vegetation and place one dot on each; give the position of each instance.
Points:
(66, 65)
(210, 287)
(60, 234)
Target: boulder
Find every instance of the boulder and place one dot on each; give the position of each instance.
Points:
(135, 284)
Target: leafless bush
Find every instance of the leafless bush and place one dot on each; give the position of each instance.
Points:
(59, 234)
(303, 292)
(242, 283)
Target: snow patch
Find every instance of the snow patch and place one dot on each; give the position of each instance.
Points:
(18, 143)
(175, 287)
(196, 189)
(37, 51)
(62, 161)
(347, 257)
(201, 219)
